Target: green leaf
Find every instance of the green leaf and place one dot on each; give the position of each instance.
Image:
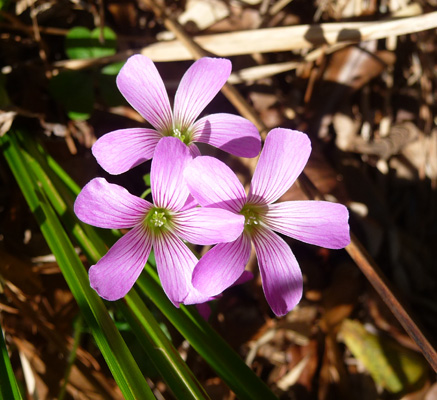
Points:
(393, 367)
(118, 357)
(108, 91)
(82, 43)
(8, 385)
(3, 5)
(112, 69)
(74, 90)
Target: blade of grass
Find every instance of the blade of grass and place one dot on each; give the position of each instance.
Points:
(8, 384)
(78, 326)
(171, 366)
(118, 357)
(206, 341)
(165, 357)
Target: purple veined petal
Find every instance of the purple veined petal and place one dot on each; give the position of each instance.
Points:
(142, 86)
(166, 175)
(230, 133)
(194, 296)
(175, 263)
(213, 184)
(121, 150)
(208, 225)
(116, 272)
(282, 160)
(194, 150)
(191, 202)
(321, 223)
(246, 276)
(280, 272)
(204, 310)
(107, 205)
(222, 266)
(200, 84)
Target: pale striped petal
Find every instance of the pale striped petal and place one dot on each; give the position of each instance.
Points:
(280, 272)
(107, 205)
(208, 225)
(316, 222)
(200, 84)
(175, 264)
(142, 86)
(124, 149)
(213, 184)
(282, 160)
(230, 133)
(222, 266)
(116, 272)
(166, 176)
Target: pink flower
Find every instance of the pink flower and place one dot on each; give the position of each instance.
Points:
(142, 86)
(161, 225)
(321, 223)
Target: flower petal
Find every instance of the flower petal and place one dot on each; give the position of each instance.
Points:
(208, 225)
(321, 223)
(230, 133)
(191, 202)
(204, 310)
(280, 272)
(116, 272)
(194, 150)
(175, 263)
(213, 184)
(107, 205)
(246, 276)
(121, 150)
(167, 183)
(222, 266)
(200, 84)
(282, 159)
(142, 86)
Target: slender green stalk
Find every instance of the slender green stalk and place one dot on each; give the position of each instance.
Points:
(165, 357)
(120, 361)
(78, 326)
(206, 341)
(171, 366)
(8, 384)
(202, 337)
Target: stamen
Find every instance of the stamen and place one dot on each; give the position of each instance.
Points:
(177, 133)
(251, 218)
(251, 215)
(158, 219)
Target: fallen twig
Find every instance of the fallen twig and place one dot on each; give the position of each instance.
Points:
(269, 39)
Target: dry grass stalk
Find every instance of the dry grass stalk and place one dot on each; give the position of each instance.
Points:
(292, 37)
(271, 40)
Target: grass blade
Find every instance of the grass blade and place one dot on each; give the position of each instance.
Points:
(61, 191)
(8, 384)
(118, 357)
(206, 341)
